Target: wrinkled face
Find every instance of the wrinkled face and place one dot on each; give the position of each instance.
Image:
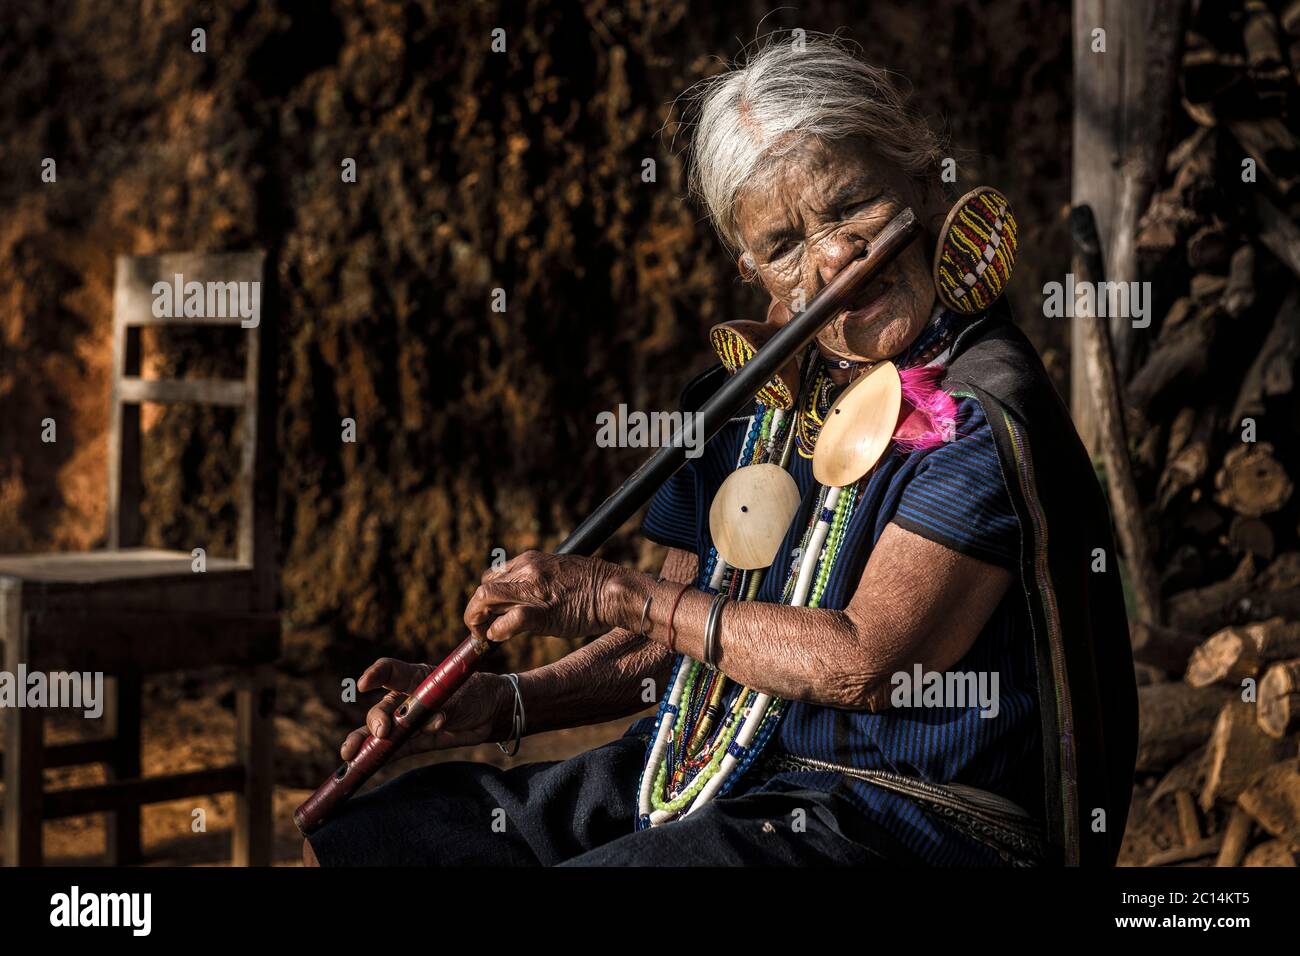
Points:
(815, 211)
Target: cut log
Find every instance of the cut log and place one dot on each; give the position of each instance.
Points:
(1237, 750)
(1207, 289)
(1180, 359)
(1209, 247)
(1278, 709)
(1267, 66)
(1283, 574)
(1290, 18)
(1225, 658)
(1235, 653)
(1148, 674)
(1173, 720)
(1270, 853)
(1273, 800)
(1252, 536)
(1235, 839)
(1180, 154)
(1188, 825)
(1272, 373)
(1279, 234)
(1260, 607)
(1188, 458)
(1274, 149)
(1214, 605)
(1206, 846)
(1239, 293)
(1252, 482)
(1162, 227)
(1188, 775)
(1164, 647)
(1194, 188)
(1208, 74)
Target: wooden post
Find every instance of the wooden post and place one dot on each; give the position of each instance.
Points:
(123, 709)
(1093, 344)
(125, 484)
(1121, 117)
(255, 749)
(24, 744)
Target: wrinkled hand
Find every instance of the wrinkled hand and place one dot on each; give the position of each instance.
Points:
(477, 713)
(560, 595)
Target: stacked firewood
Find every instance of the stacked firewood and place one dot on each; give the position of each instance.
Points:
(1213, 418)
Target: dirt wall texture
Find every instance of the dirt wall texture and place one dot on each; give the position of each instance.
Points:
(475, 170)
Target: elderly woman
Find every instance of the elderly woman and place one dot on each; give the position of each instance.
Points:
(986, 556)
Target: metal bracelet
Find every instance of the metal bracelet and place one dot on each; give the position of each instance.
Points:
(517, 724)
(712, 627)
(645, 612)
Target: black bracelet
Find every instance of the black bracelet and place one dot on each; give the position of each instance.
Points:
(712, 627)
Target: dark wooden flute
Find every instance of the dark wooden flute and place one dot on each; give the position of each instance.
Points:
(732, 398)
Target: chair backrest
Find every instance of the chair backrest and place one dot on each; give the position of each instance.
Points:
(195, 289)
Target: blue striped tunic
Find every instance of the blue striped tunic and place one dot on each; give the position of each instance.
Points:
(953, 494)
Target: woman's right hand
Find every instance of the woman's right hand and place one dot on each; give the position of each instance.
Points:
(477, 713)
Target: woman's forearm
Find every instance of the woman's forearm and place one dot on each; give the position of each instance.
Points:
(797, 653)
(918, 602)
(616, 675)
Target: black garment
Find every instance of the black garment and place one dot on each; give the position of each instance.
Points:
(1087, 689)
(578, 812)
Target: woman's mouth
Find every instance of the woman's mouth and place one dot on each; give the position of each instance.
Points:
(866, 310)
(869, 304)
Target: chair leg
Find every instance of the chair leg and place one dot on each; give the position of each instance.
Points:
(24, 770)
(24, 786)
(123, 709)
(255, 749)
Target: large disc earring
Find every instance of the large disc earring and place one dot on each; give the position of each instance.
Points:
(976, 251)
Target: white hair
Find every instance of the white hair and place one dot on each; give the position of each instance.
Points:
(786, 93)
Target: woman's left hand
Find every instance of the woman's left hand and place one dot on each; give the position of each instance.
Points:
(561, 595)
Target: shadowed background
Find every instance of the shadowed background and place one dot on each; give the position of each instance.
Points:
(522, 170)
(475, 430)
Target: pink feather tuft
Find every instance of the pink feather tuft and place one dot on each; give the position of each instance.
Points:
(928, 417)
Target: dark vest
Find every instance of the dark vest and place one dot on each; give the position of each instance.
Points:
(1087, 688)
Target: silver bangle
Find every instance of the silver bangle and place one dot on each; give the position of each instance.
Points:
(645, 612)
(517, 724)
(712, 629)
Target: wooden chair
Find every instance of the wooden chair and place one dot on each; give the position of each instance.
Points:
(130, 611)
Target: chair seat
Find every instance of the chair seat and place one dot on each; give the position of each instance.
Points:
(94, 567)
(140, 608)
(126, 579)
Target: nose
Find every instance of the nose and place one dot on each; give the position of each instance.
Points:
(837, 251)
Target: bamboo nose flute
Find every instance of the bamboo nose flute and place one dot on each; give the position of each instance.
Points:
(730, 400)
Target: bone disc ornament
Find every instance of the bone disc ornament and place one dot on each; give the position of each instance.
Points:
(859, 427)
(976, 251)
(751, 513)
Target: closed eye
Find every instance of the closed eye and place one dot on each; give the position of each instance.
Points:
(860, 209)
(781, 250)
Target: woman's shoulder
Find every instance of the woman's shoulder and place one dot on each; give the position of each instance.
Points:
(993, 359)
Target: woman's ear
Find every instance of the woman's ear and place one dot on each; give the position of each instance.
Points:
(777, 313)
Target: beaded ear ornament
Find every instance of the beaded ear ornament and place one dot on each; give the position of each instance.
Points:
(976, 251)
(737, 341)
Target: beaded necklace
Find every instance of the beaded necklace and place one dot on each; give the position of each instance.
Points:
(709, 728)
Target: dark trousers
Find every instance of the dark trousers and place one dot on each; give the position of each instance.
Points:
(580, 812)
